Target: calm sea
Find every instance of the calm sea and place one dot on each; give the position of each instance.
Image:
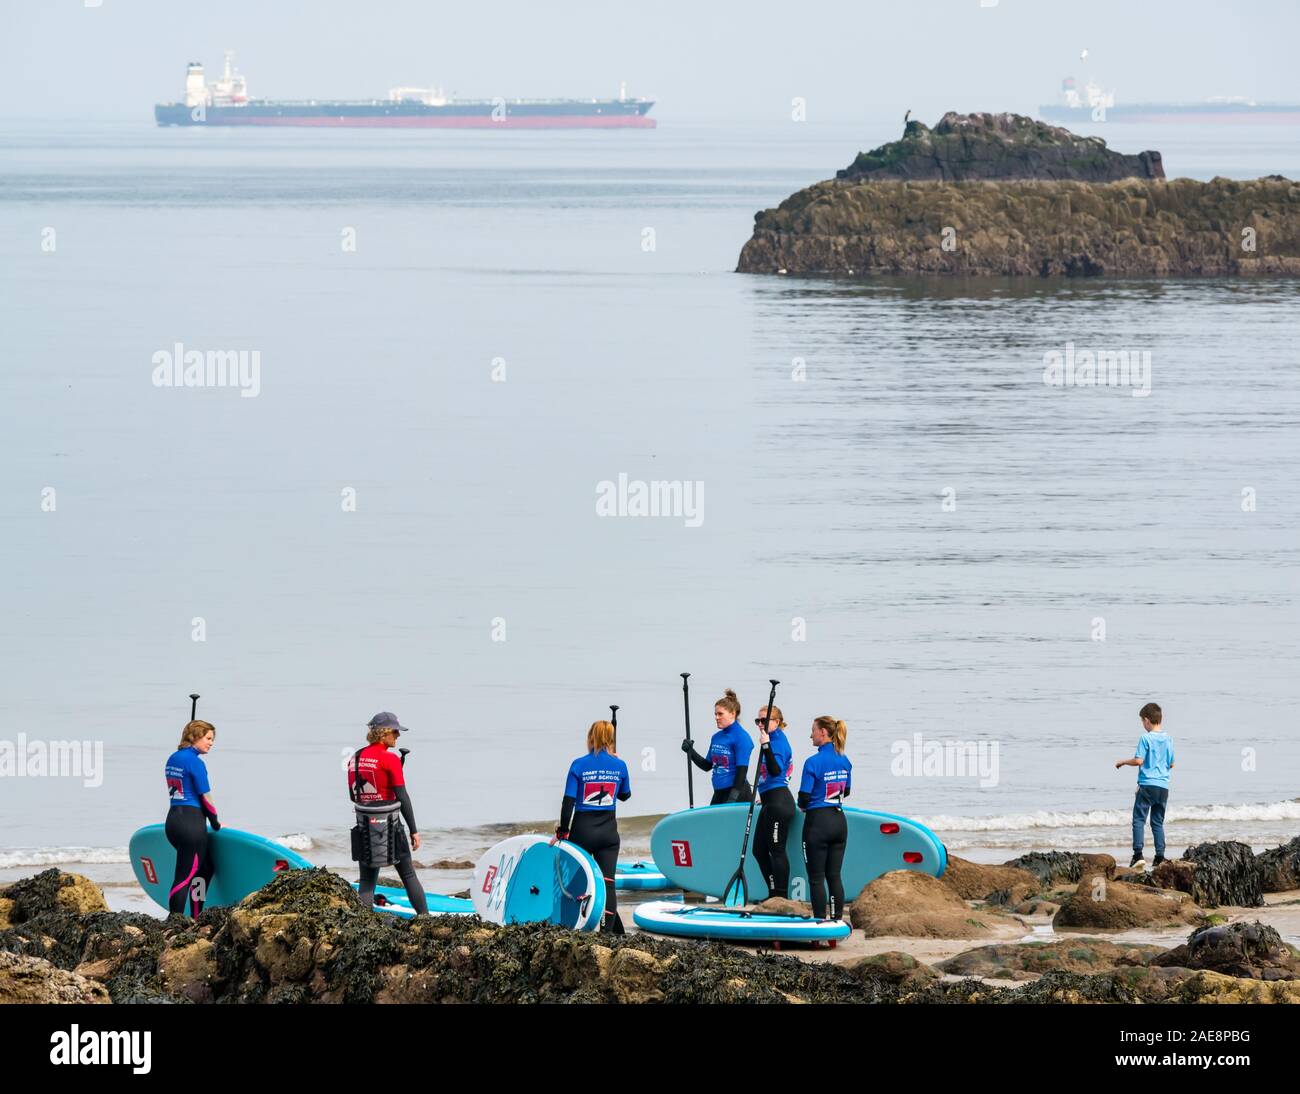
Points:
(872, 494)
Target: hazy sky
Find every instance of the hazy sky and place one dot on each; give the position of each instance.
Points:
(724, 60)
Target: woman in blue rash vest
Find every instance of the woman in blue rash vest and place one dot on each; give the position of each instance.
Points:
(729, 752)
(775, 766)
(596, 782)
(188, 818)
(827, 779)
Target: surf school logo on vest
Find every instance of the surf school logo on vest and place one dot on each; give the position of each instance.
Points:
(835, 792)
(597, 793)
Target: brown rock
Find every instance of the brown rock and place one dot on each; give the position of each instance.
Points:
(26, 979)
(1174, 874)
(1215, 987)
(633, 976)
(189, 971)
(1099, 902)
(975, 881)
(909, 904)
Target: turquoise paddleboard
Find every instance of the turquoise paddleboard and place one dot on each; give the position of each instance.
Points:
(243, 863)
(699, 849)
(642, 875)
(733, 924)
(390, 899)
(526, 879)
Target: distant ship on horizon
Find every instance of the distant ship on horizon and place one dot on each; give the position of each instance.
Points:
(226, 102)
(1093, 104)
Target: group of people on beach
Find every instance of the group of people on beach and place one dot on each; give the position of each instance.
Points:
(594, 785)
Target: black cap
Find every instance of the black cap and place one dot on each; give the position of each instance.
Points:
(389, 720)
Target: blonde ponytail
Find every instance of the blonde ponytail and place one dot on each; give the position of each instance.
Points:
(835, 729)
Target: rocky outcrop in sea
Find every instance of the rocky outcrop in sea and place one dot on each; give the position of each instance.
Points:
(1003, 195)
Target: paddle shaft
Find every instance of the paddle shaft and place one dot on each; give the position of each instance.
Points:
(194, 705)
(613, 720)
(690, 768)
(739, 875)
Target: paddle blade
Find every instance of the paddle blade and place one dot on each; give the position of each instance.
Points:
(736, 892)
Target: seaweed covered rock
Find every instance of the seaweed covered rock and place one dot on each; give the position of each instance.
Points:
(26, 979)
(905, 903)
(1100, 902)
(1029, 960)
(61, 918)
(1251, 950)
(1034, 228)
(49, 891)
(1279, 867)
(1215, 987)
(1225, 872)
(1056, 867)
(998, 146)
(975, 881)
(894, 967)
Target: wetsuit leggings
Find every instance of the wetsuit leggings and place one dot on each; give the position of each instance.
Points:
(769, 840)
(405, 870)
(825, 835)
(596, 832)
(730, 795)
(187, 831)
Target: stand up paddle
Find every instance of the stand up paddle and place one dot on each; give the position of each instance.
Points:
(690, 771)
(741, 886)
(613, 720)
(194, 705)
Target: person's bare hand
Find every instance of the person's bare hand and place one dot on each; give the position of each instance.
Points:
(415, 841)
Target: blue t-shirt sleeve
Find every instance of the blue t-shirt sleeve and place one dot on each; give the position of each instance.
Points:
(571, 784)
(1142, 749)
(199, 772)
(744, 748)
(624, 783)
(1171, 753)
(806, 783)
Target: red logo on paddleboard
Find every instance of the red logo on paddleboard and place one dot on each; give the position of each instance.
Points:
(682, 852)
(491, 877)
(150, 874)
(280, 864)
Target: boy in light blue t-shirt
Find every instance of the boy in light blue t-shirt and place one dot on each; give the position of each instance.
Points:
(1154, 759)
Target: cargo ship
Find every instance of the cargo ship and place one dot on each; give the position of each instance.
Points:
(1093, 104)
(226, 102)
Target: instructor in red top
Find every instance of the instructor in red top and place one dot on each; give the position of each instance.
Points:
(375, 777)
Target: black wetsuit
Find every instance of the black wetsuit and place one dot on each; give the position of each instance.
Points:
(774, 818)
(596, 832)
(825, 835)
(187, 831)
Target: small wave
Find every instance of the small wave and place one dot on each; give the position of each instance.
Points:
(1108, 818)
(61, 856)
(296, 841)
